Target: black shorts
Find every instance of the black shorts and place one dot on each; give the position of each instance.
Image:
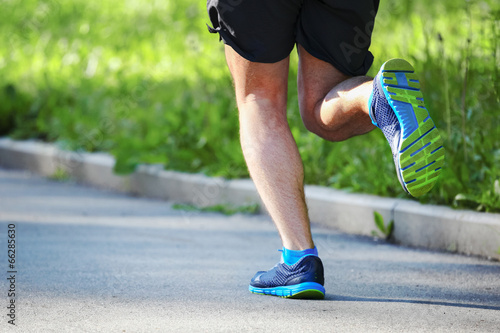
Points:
(335, 31)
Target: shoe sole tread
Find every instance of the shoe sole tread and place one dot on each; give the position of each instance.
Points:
(421, 153)
(307, 290)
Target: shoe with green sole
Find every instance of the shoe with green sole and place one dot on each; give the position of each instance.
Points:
(397, 108)
(304, 279)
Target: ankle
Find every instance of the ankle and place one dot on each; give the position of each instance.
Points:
(291, 257)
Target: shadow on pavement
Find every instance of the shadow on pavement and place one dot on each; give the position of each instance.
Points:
(343, 298)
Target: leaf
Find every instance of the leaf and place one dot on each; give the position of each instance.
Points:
(466, 200)
(390, 229)
(379, 222)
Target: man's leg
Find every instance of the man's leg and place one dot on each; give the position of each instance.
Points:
(269, 148)
(276, 168)
(336, 108)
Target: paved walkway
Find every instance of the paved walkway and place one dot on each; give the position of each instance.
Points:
(94, 261)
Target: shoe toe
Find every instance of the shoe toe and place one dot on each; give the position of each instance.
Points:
(256, 280)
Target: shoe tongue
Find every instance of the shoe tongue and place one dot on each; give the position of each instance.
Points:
(282, 260)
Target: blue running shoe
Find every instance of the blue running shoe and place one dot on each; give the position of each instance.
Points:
(304, 279)
(397, 108)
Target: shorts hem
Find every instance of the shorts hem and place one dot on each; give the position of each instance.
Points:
(252, 58)
(337, 65)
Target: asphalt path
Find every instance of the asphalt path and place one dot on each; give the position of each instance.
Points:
(89, 260)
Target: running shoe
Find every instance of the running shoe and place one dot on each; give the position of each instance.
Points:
(304, 279)
(397, 108)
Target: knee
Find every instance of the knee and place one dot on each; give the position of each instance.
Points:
(311, 124)
(309, 113)
(334, 132)
(267, 97)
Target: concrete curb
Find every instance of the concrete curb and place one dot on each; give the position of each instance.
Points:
(417, 225)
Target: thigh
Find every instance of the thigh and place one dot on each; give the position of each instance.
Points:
(315, 79)
(332, 104)
(259, 82)
(339, 32)
(258, 30)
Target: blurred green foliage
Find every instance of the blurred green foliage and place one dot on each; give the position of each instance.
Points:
(145, 81)
(223, 209)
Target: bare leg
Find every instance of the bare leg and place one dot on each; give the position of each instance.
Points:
(269, 148)
(332, 104)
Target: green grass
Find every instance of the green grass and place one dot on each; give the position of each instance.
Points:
(223, 209)
(147, 82)
(60, 175)
(382, 228)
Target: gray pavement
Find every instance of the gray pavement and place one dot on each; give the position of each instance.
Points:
(94, 261)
